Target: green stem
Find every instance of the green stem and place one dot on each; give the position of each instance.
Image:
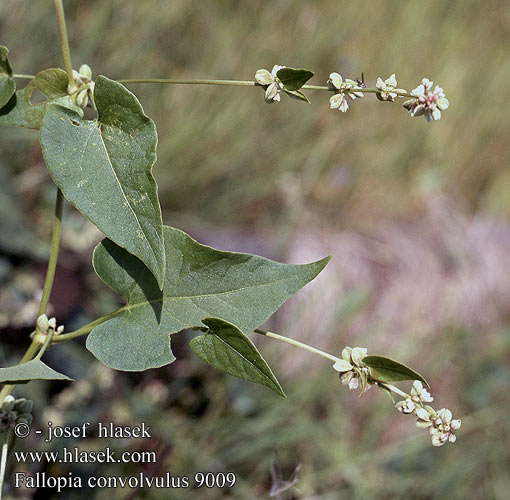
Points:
(52, 263)
(47, 342)
(244, 83)
(26, 77)
(296, 343)
(394, 389)
(48, 284)
(233, 83)
(326, 355)
(84, 330)
(64, 42)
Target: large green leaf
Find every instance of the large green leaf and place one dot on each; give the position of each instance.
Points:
(20, 112)
(32, 370)
(292, 78)
(7, 83)
(388, 370)
(104, 168)
(228, 349)
(199, 282)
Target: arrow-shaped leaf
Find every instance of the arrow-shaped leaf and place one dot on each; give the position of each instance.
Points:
(20, 112)
(199, 282)
(293, 79)
(7, 83)
(104, 166)
(388, 370)
(228, 349)
(32, 370)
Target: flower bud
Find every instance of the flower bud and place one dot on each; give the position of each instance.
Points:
(346, 377)
(86, 71)
(43, 323)
(52, 322)
(8, 403)
(263, 77)
(82, 99)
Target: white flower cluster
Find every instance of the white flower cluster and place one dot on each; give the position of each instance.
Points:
(342, 89)
(427, 102)
(46, 325)
(388, 89)
(271, 82)
(442, 426)
(352, 369)
(83, 87)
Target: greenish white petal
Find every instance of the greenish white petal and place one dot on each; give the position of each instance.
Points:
(263, 77)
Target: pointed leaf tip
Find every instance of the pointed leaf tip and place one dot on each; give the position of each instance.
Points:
(32, 370)
(242, 289)
(7, 83)
(118, 151)
(388, 370)
(292, 78)
(228, 349)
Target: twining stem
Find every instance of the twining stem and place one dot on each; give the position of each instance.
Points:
(232, 83)
(48, 284)
(326, 355)
(247, 83)
(52, 263)
(47, 342)
(84, 330)
(64, 42)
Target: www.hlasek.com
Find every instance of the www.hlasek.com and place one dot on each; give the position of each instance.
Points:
(103, 456)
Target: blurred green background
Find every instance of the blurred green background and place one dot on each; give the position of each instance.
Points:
(416, 216)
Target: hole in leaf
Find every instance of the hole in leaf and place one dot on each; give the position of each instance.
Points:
(74, 122)
(37, 97)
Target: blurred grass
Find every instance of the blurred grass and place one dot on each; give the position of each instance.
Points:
(225, 159)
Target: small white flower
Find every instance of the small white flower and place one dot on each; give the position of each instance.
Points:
(354, 383)
(405, 406)
(426, 102)
(346, 377)
(357, 355)
(341, 88)
(419, 394)
(388, 88)
(52, 323)
(424, 418)
(271, 82)
(339, 101)
(83, 87)
(346, 353)
(342, 366)
(443, 427)
(43, 323)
